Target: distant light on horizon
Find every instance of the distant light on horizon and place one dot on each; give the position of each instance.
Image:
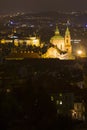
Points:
(11, 22)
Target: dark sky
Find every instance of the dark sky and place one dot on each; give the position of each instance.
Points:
(7, 6)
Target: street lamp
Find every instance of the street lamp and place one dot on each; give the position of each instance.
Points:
(79, 52)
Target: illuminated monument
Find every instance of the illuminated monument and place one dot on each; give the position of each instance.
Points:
(13, 38)
(61, 46)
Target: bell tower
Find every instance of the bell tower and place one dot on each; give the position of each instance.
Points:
(68, 46)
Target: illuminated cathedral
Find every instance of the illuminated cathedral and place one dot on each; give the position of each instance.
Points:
(61, 46)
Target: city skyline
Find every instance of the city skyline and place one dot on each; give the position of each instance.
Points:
(10, 6)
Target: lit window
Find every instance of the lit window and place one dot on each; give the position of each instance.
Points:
(52, 98)
(60, 94)
(61, 102)
(8, 90)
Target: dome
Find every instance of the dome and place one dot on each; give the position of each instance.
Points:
(57, 38)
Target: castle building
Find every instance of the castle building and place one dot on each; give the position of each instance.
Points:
(29, 41)
(61, 46)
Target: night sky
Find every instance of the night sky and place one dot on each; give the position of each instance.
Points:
(9, 6)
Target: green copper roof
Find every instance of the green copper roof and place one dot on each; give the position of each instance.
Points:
(67, 31)
(57, 31)
(58, 37)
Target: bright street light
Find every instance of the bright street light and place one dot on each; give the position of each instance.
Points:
(79, 52)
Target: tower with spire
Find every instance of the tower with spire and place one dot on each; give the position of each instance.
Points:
(68, 46)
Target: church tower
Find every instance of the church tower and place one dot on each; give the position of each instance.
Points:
(68, 46)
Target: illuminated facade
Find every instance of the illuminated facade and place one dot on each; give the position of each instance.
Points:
(33, 41)
(62, 47)
(57, 40)
(79, 111)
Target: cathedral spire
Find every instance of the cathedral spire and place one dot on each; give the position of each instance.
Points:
(67, 31)
(57, 30)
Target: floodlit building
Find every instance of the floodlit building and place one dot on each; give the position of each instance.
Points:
(79, 111)
(33, 41)
(61, 46)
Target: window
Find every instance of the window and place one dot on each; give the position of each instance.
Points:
(52, 98)
(61, 102)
